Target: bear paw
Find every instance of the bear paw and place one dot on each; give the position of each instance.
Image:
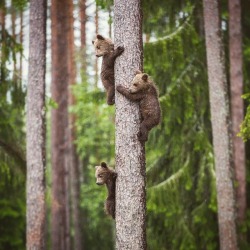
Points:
(120, 49)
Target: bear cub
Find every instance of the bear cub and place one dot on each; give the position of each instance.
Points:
(144, 91)
(104, 47)
(106, 175)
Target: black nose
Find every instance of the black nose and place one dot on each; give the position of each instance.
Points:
(98, 183)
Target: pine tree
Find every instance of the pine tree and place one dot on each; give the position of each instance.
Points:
(36, 127)
(130, 154)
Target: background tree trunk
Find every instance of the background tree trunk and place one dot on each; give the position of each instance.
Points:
(237, 106)
(130, 154)
(74, 163)
(96, 32)
(59, 89)
(36, 127)
(83, 20)
(220, 126)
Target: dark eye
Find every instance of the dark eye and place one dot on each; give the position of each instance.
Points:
(100, 175)
(98, 47)
(135, 84)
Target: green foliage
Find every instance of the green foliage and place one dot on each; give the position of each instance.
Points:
(12, 146)
(181, 195)
(245, 126)
(95, 143)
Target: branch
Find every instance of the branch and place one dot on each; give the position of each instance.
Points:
(15, 154)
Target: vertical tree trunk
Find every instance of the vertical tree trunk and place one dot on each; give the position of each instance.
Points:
(21, 43)
(3, 33)
(220, 126)
(13, 27)
(130, 154)
(59, 87)
(83, 19)
(74, 164)
(96, 31)
(237, 106)
(36, 127)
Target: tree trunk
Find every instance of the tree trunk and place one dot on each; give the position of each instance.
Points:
(237, 106)
(59, 87)
(96, 32)
(3, 45)
(83, 20)
(36, 127)
(13, 27)
(74, 163)
(130, 153)
(21, 43)
(220, 126)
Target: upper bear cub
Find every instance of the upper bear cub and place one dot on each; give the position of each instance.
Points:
(143, 90)
(105, 47)
(106, 175)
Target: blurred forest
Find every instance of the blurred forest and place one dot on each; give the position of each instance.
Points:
(181, 184)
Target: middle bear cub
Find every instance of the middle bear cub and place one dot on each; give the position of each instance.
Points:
(104, 47)
(144, 91)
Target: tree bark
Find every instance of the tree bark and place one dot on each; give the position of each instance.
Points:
(74, 163)
(83, 20)
(237, 106)
(96, 32)
(59, 88)
(220, 126)
(130, 153)
(36, 127)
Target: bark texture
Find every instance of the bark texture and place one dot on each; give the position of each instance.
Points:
(130, 153)
(220, 126)
(36, 127)
(237, 106)
(74, 163)
(59, 89)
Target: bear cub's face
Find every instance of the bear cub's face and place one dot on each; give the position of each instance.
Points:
(102, 174)
(139, 83)
(103, 46)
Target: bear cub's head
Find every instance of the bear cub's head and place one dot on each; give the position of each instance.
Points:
(103, 46)
(104, 174)
(140, 82)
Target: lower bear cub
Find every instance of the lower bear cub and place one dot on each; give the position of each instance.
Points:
(144, 91)
(106, 175)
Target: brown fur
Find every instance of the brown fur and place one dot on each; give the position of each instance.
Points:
(106, 175)
(144, 91)
(105, 48)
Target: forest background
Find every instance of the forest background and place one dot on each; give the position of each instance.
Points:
(181, 189)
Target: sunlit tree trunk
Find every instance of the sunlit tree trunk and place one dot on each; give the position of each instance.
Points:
(74, 163)
(237, 106)
(59, 89)
(83, 20)
(130, 153)
(13, 27)
(96, 31)
(21, 43)
(36, 127)
(220, 126)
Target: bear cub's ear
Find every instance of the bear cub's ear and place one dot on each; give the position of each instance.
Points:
(104, 165)
(138, 72)
(145, 77)
(100, 37)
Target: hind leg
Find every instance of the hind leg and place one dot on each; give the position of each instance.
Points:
(143, 133)
(111, 95)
